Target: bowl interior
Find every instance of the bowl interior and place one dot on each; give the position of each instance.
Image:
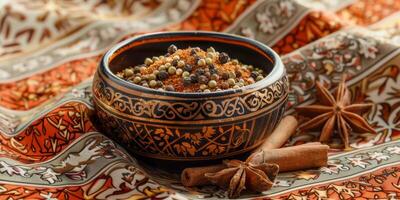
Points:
(246, 51)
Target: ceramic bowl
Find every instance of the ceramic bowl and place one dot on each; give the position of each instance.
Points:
(189, 126)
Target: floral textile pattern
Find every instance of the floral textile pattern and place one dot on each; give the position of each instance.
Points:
(59, 18)
(48, 48)
(327, 59)
(268, 21)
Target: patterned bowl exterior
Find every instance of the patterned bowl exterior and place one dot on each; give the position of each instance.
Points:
(189, 126)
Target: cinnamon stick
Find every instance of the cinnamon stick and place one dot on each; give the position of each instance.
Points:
(299, 157)
(194, 176)
(294, 158)
(285, 129)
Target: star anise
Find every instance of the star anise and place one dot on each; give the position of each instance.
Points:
(244, 175)
(338, 114)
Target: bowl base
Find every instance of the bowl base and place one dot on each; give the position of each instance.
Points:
(175, 166)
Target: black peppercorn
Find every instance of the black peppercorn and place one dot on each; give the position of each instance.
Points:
(199, 71)
(193, 52)
(172, 49)
(196, 59)
(187, 81)
(214, 71)
(254, 75)
(223, 58)
(174, 63)
(238, 73)
(193, 78)
(203, 79)
(188, 67)
(162, 75)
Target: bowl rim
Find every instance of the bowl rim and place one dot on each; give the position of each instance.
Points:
(277, 72)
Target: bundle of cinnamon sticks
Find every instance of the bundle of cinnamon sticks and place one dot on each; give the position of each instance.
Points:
(309, 155)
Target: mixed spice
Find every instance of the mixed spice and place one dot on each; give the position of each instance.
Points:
(192, 70)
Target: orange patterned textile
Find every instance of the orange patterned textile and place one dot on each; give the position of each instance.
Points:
(49, 51)
(32, 91)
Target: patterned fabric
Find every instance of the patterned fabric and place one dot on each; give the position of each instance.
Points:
(49, 50)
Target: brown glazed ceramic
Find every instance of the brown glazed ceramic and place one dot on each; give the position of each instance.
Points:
(189, 126)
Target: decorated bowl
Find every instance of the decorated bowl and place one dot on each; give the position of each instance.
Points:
(186, 126)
